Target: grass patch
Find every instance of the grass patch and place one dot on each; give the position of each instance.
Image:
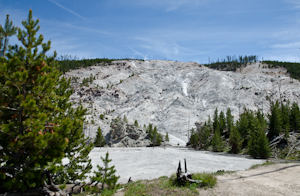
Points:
(97, 191)
(105, 192)
(222, 172)
(264, 164)
(170, 186)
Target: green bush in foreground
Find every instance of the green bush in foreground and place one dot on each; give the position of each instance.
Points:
(208, 181)
(170, 186)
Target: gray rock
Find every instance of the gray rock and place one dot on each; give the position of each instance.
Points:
(125, 135)
(174, 95)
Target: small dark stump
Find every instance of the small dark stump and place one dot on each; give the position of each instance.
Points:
(185, 176)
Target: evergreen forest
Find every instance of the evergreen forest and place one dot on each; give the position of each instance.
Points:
(253, 133)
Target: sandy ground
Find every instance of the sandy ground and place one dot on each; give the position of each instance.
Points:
(279, 179)
(151, 163)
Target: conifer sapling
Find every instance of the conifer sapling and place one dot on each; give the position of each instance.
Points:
(105, 175)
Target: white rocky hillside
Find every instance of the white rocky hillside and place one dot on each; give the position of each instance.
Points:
(174, 95)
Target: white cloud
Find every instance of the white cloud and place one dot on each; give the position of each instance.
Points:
(139, 53)
(67, 9)
(170, 5)
(295, 2)
(286, 45)
(166, 48)
(163, 47)
(85, 29)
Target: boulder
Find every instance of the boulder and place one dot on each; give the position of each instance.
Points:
(125, 135)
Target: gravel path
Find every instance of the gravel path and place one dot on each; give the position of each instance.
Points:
(151, 163)
(272, 180)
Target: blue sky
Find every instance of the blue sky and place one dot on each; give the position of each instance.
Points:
(182, 30)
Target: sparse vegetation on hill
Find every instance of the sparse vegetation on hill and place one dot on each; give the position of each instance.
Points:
(292, 68)
(231, 63)
(67, 62)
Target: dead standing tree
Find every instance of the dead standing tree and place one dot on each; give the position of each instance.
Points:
(186, 176)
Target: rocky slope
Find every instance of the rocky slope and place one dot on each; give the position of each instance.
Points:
(175, 95)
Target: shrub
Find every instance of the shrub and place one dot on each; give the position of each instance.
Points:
(102, 116)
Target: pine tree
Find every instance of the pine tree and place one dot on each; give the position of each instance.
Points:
(99, 140)
(105, 174)
(235, 140)
(210, 124)
(149, 130)
(156, 137)
(229, 120)
(216, 125)
(222, 122)
(38, 126)
(77, 149)
(258, 145)
(167, 137)
(295, 117)
(242, 126)
(285, 113)
(194, 140)
(261, 118)
(6, 32)
(203, 136)
(264, 145)
(217, 142)
(136, 123)
(275, 120)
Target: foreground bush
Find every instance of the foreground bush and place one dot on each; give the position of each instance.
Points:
(170, 186)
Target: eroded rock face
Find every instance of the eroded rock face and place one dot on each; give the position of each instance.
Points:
(125, 135)
(118, 131)
(174, 95)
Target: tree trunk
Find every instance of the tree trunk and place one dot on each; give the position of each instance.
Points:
(186, 176)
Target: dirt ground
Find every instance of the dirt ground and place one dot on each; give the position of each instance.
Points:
(278, 179)
(271, 180)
